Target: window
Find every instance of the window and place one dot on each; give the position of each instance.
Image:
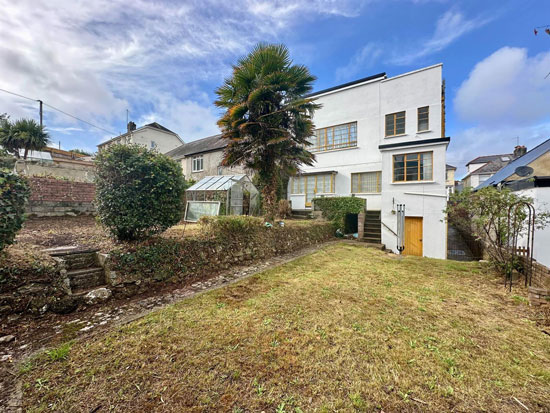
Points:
(365, 182)
(413, 167)
(395, 124)
(322, 184)
(153, 144)
(423, 119)
(197, 163)
(334, 137)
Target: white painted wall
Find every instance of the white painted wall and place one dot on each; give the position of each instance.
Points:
(211, 166)
(164, 141)
(541, 251)
(367, 104)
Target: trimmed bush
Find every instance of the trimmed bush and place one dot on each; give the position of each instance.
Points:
(139, 192)
(335, 209)
(14, 194)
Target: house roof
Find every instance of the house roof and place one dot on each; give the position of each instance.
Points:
(209, 144)
(344, 85)
(490, 158)
(524, 160)
(447, 166)
(153, 125)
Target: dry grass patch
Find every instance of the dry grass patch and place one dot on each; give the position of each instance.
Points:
(344, 329)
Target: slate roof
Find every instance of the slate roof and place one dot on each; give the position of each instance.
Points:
(524, 160)
(448, 166)
(209, 144)
(491, 158)
(154, 125)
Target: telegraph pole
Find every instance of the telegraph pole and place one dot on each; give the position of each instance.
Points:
(41, 116)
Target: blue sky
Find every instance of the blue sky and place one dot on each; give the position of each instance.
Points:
(163, 60)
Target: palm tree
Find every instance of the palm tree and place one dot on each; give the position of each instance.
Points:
(9, 140)
(268, 119)
(32, 136)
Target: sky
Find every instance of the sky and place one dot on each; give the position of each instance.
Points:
(162, 61)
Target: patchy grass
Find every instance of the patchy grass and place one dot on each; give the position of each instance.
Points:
(344, 329)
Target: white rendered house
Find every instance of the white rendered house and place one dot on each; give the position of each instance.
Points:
(382, 139)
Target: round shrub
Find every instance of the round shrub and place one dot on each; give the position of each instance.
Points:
(14, 193)
(139, 192)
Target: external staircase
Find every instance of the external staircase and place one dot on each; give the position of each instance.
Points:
(373, 227)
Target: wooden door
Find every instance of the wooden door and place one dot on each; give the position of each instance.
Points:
(413, 236)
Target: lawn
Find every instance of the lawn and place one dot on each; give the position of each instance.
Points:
(344, 329)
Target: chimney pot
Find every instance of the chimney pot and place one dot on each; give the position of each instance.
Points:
(131, 126)
(519, 150)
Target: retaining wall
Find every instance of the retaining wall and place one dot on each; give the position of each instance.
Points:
(57, 197)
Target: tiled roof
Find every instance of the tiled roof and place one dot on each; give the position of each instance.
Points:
(448, 166)
(524, 160)
(490, 158)
(209, 144)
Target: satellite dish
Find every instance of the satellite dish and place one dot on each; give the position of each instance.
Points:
(523, 171)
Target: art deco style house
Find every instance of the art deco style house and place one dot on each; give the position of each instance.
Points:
(383, 139)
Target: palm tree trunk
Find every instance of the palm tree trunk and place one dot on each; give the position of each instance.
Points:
(269, 192)
(26, 153)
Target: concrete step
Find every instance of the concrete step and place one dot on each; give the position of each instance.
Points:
(86, 278)
(374, 240)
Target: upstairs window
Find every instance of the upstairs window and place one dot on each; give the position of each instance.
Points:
(334, 137)
(423, 119)
(395, 124)
(153, 144)
(365, 182)
(413, 167)
(197, 163)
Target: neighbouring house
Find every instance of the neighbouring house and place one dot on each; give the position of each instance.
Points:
(152, 136)
(450, 179)
(203, 157)
(535, 185)
(383, 139)
(483, 167)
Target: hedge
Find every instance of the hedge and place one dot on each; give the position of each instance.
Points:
(335, 209)
(14, 194)
(139, 191)
(225, 241)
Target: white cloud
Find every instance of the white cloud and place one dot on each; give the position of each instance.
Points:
(449, 27)
(97, 58)
(360, 61)
(508, 87)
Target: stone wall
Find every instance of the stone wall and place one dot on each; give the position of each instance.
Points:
(539, 291)
(57, 197)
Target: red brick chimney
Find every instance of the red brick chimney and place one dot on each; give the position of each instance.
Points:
(519, 150)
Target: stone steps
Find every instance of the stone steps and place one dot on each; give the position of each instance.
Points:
(86, 278)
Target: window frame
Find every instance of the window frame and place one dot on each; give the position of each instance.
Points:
(351, 143)
(196, 159)
(404, 112)
(378, 182)
(427, 118)
(418, 167)
(294, 189)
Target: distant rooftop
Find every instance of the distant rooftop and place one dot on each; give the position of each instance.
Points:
(209, 144)
(506, 157)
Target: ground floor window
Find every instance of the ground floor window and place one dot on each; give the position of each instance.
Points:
(365, 182)
(311, 185)
(413, 167)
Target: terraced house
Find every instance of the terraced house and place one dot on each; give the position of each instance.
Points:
(383, 139)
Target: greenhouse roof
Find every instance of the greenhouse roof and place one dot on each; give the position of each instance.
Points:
(217, 183)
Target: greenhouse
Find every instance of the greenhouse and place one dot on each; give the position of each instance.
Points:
(222, 195)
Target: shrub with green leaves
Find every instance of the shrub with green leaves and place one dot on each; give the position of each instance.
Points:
(139, 192)
(14, 194)
(335, 209)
